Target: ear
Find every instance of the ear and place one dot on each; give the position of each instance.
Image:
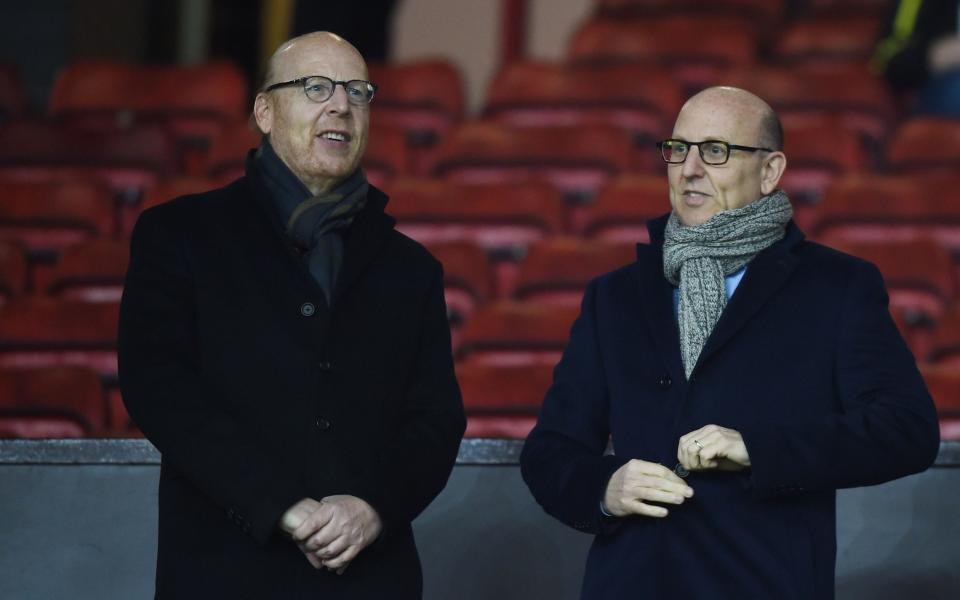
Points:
(263, 113)
(773, 167)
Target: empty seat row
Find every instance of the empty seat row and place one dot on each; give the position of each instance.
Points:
(501, 401)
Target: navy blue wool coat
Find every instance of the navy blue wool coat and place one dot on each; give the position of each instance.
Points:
(805, 362)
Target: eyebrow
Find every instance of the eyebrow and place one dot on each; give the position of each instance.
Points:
(715, 138)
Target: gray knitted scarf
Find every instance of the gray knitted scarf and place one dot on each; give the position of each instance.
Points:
(698, 258)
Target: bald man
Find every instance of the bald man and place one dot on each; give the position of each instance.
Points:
(287, 351)
(715, 394)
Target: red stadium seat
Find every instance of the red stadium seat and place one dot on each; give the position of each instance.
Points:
(501, 218)
(818, 151)
(946, 339)
(92, 271)
(468, 281)
(12, 96)
(129, 161)
(387, 155)
(575, 160)
(925, 146)
(190, 102)
(888, 208)
(766, 11)
(640, 98)
(51, 216)
(858, 98)
(847, 8)
(40, 331)
(502, 401)
(424, 99)
(227, 156)
(496, 216)
(919, 275)
(694, 48)
(165, 190)
(53, 402)
(13, 270)
(557, 270)
(829, 39)
(943, 382)
(623, 207)
(516, 333)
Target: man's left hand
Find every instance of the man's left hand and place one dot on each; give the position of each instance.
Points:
(338, 530)
(713, 447)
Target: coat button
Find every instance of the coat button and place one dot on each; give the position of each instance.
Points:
(307, 309)
(323, 424)
(665, 382)
(681, 471)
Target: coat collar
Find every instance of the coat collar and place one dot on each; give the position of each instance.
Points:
(766, 273)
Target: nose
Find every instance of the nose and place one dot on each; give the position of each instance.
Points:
(337, 102)
(693, 165)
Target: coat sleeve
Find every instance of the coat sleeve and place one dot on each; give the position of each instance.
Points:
(563, 460)
(885, 425)
(415, 463)
(168, 398)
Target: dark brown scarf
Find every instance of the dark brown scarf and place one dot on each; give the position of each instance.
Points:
(314, 223)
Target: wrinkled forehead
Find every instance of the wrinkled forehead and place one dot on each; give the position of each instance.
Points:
(338, 61)
(715, 119)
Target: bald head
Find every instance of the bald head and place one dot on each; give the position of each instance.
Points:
(755, 115)
(753, 167)
(291, 53)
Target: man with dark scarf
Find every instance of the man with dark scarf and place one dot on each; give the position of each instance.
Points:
(288, 353)
(715, 394)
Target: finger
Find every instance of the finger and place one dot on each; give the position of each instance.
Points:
(659, 483)
(637, 507)
(294, 518)
(333, 548)
(657, 470)
(687, 455)
(315, 562)
(321, 539)
(652, 495)
(313, 523)
(343, 559)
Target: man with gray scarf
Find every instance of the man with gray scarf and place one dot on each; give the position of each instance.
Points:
(287, 351)
(715, 394)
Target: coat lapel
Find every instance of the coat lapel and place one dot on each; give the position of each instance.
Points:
(766, 274)
(656, 296)
(362, 244)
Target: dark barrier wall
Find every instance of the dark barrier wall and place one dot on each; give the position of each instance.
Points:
(78, 520)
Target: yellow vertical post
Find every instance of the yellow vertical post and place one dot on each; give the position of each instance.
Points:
(276, 19)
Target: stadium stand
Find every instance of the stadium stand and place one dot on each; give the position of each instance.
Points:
(516, 333)
(557, 270)
(502, 401)
(51, 402)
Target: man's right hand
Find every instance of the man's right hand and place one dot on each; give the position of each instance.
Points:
(638, 482)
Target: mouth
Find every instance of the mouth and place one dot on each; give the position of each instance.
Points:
(335, 136)
(694, 198)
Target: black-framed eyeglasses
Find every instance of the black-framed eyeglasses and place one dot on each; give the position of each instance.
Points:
(712, 152)
(319, 88)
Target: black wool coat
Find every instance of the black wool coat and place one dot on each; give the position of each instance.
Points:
(258, 394)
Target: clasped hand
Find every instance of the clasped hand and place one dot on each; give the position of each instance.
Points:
(637, 483)
(333, 531)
